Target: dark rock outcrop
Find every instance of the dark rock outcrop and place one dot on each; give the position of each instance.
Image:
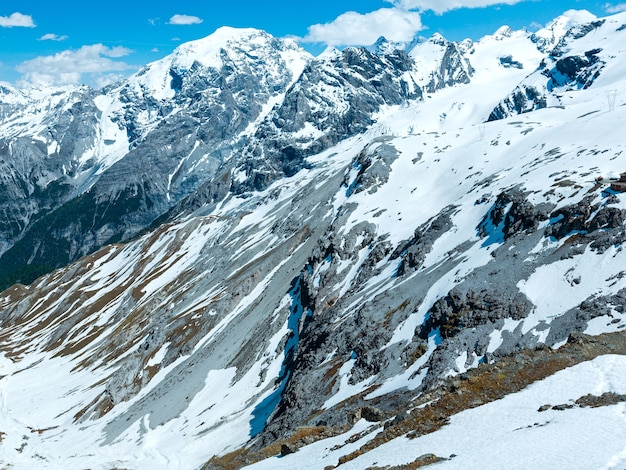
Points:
(334, 99)
(459, 310)
(510, 215)
(524, 99)
(589, 222)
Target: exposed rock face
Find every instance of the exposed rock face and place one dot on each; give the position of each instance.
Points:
(459, 311)
(455, 68)
(575, 72)
(510, 215)
(448, 63)
(334, 98)
(589, 222)
(40, 174)
(412, 252)
(524, 99)
(564, 68)
(509, 62)
(374, 166)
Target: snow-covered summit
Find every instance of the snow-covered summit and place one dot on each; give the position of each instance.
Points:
(208, 50)
(440, 63)
(438, 39)
(384, 46)
(583, 57)
(9, 95)
(245, 48)
(551, 34)
(503, 32)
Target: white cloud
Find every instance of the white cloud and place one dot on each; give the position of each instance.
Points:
(17, 20)
(399, 23)
(441, 6)
(610, 8)
(115, 52)
(101, 80)
(89, 64)
(354, 28)
(185, 20)
(53, 37)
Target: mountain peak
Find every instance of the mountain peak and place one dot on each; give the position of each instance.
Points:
(329, 53)
(383, 46)
(207, 50)
(10, 95)
(438, 39)
(503, 32)
(551, 34)
(243, 46)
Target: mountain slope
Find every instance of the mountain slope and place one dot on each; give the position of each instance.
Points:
(396, 261)
(142, 146)
(575, 61)
(218, 114)
(546, 424)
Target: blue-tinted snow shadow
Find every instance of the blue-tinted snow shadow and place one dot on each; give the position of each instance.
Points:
(493, 234)
(264, 410)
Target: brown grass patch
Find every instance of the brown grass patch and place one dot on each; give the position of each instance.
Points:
(100, 406)
(491, 382)
(42, 430)
(389, 315)
(241, 457)
(74, 347)
(420, 462)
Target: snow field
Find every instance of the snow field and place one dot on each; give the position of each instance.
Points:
(508, 433)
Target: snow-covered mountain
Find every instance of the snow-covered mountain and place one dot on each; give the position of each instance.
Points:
(373, 258)
(102, 165)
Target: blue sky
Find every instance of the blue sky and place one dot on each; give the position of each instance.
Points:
(95, 42)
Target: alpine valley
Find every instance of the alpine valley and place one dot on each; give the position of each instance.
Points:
(386, 257)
